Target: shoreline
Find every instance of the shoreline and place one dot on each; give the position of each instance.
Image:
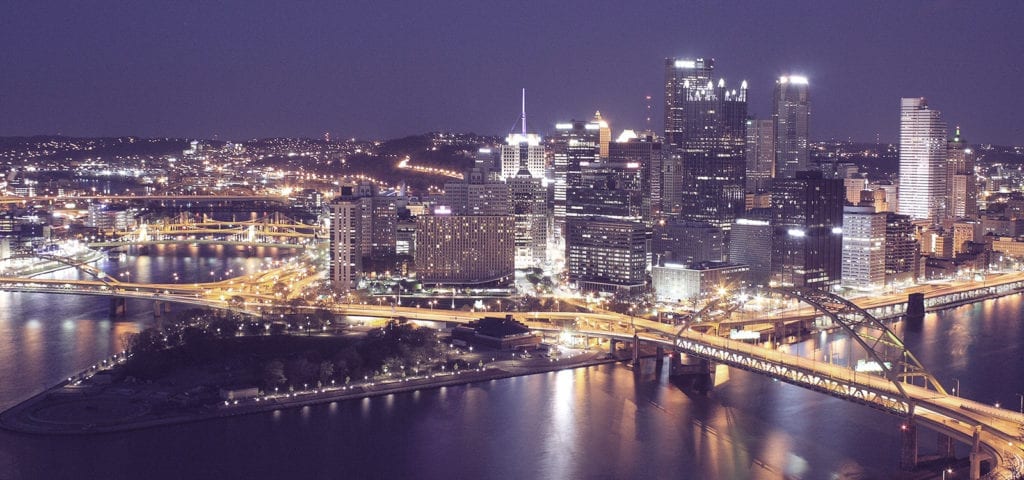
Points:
(20, 419)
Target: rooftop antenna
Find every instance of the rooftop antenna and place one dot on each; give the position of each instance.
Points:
(523, 118)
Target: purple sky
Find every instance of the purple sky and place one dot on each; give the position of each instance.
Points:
(388, 68)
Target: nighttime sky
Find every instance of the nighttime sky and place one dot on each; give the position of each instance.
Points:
(377, 69)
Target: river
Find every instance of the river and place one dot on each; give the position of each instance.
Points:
(598, 422)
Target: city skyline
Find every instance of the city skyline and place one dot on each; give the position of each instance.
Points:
(237, 73)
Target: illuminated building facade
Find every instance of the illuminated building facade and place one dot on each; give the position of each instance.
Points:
(465, 249)
(863, 248)
(760, 155)
(807, 216)
(922, 189)
(961, 184)
(705, 125)
(791, 117)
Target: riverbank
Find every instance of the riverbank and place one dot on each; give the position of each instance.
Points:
(42, 266)
(69, 409)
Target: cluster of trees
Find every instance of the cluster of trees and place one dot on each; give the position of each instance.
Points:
(202, 338)
(398, 349)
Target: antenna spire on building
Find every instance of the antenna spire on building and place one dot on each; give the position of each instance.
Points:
(523, 117)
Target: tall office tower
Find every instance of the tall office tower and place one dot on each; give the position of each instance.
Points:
(750, 244)
(760, 155)
(607, 255)
(902, 249)
(575, 143)
(705, 125)
(344, 215)
(465, 249)
(645, 152)
(480, 193)
(807, 216)
(529, 209)
(606, 239)
(791, 115)
(604, 133)
(863, 248)
(961, 184)
(922, 191)
(522, 148)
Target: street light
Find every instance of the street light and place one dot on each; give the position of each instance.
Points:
(944, 472)
(956, 390)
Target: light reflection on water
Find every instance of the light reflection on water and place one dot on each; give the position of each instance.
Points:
(600, 422)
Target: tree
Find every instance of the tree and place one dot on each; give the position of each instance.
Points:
(273, 374)
(326, 371)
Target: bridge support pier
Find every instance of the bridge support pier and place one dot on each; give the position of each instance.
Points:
(908, 452)
(915, 308)
(636, 352)
(659, 358)
(977, 456)
(945, 446)
(118, 307)
(612, 343)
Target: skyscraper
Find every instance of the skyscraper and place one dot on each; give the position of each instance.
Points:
(575, 143)
(807, 217)
(760, 155)
(522, 149)
(529, 209)
(863, 248)
(604, 133)
(344, 214)
(790, 116)
(922, 190)
(647, 154)
(961, 184)
(606, 239)
(705, 126)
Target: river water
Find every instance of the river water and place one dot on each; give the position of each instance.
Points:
(598, 422)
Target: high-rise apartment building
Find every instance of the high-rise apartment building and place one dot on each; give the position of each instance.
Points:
(345, 217)
(922, 189)
(705, 125)
(791, 117)
(760, 155)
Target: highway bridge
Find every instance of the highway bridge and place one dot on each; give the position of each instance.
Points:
(142, 198)
(892, 379)
(269, 231)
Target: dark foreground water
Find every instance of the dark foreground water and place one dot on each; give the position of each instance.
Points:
(599, 422)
